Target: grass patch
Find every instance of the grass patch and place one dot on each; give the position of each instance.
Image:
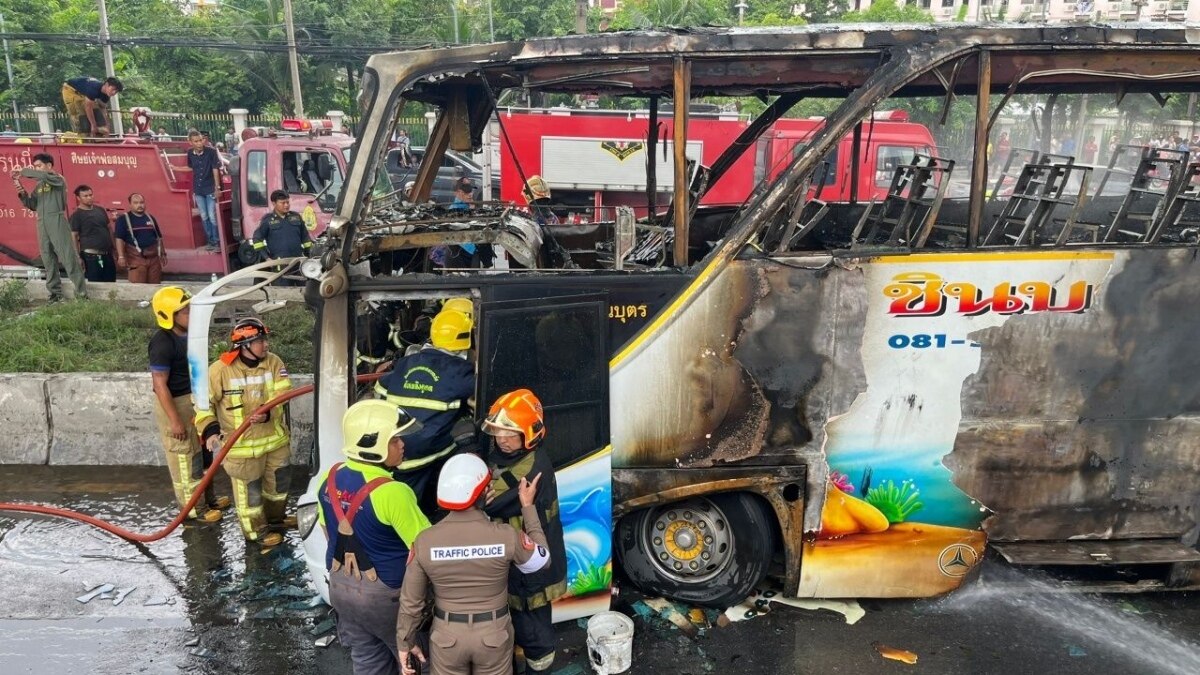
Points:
(13, 296)
(94, 336)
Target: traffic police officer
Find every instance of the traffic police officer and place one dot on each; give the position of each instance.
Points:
(435, 385)
(243, 379)
(282, 233)
(466, 559)
(517, 424)
(370, 521)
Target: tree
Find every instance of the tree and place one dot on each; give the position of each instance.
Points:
(887, 11)
(642, 14)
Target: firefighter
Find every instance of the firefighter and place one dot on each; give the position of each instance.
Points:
(173, 410)
(435, 385)
(516, 423)
(239, 382)
(370, 522)
(466, 558)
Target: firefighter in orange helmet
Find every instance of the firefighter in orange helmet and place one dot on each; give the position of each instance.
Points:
(517, 426)
(239, 382)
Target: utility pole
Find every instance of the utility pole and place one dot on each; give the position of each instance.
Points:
(741, 8)
(491, 24)
(106, 44)
(454, 11)
(12, 84)
(293, 59)
(581, 12)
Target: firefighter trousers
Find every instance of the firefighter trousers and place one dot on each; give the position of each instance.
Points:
(184, 458)
(534, 630)
(260, 489)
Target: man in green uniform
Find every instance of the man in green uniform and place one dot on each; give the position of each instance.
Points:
(49, 200)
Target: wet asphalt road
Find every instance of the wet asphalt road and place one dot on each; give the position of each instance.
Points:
(205, 603)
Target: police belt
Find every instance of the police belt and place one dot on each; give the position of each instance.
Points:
(469, 618)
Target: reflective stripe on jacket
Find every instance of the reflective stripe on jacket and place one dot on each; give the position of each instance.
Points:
(235, 391)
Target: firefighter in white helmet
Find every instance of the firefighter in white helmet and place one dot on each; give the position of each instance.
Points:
(371, 522)
(465, 559)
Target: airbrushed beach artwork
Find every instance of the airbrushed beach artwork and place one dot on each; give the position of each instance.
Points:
(893, 523)
(585, 505)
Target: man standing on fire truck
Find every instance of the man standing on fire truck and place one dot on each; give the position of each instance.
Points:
(241, 381)
(49, 201)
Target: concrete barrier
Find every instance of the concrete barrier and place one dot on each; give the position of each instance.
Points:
(123, 291)
(99, 418)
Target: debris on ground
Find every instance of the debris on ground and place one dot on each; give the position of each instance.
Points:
(901, 655)
(572, 669)
(1072, 650)
(203, 652)
(96, 592)
(121, 593)
(671, 612)
(158, 601)
(325, 640)
(194, 642)
(324, 626)
(759, 601)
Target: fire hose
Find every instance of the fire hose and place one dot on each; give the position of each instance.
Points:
(196, 496)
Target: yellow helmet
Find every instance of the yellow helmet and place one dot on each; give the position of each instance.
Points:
(463, 305)
(535, 188)
(451, 330)
(368, 426)
(166, 303)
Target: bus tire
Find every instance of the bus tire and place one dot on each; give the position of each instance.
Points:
(707, 551)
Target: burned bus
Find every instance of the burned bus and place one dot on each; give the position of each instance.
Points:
(860, 397)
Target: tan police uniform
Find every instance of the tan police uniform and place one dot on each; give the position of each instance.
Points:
(466, 558)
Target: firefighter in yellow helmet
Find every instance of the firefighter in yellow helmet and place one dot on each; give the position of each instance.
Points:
(173, 410)
(465, 560)
(517, 426)
(239, 382)
(435, 385)
(371, 522)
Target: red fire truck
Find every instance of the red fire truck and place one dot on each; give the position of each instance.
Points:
(593, 158)
(305, 159)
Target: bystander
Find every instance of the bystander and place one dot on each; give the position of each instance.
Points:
(139, 243)
(93, 237)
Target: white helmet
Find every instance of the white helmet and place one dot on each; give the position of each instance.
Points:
(464, 477)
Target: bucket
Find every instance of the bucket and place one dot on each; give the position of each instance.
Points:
(610, 642)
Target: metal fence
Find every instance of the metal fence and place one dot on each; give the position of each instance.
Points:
(179, 124)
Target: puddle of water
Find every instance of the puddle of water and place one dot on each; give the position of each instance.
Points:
(1092, 620)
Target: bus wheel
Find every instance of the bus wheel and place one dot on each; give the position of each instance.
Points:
(708, 551)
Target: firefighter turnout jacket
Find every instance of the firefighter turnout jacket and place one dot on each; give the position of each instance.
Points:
(433, 386)
(384, 525)
(540, 588)
(235, 391)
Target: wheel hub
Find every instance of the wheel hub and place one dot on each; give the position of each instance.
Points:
(689, 541)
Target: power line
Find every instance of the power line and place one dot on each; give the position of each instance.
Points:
(309, 49)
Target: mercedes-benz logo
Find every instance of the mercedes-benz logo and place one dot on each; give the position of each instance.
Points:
(957, 559)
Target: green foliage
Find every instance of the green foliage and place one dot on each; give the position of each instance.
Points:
(895, 502)
(771, 13)
(13, 296)
(825, 11)
(594, 578)
(961, 15)
(887, 11)
(641, 14)
(94, 336)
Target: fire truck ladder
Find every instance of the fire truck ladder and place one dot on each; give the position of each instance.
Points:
(1186, 194)
(907, 214)
(1158, 175)
(1040, 191)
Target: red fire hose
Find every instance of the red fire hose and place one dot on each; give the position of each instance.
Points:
(204, 481)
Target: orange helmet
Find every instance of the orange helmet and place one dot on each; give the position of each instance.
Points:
(517, 412)
(247, 331)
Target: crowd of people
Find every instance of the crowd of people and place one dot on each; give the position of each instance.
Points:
(439, 550)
